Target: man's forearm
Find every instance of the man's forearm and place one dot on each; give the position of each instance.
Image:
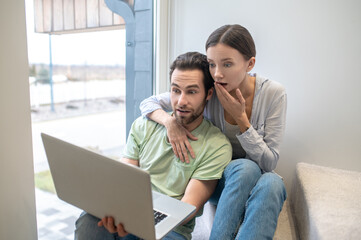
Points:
(130, 161)
(197, 194)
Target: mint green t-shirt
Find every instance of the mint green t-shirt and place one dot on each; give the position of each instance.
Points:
(147, 143)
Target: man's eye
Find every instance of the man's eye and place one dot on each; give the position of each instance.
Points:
(175, 90)
(193, 92)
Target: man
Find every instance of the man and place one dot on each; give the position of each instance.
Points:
(148, 148)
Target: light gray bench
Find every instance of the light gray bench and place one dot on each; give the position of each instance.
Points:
(326, 203)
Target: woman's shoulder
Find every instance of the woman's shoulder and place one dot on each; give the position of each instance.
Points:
(268, 86)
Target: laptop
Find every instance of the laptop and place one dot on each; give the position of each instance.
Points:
(103, 187)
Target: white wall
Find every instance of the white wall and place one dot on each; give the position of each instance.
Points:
(314, 49)
(17, 200)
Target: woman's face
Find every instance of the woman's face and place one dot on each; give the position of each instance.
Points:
(228, 66)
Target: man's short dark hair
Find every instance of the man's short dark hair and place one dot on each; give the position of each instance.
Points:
(192, 61)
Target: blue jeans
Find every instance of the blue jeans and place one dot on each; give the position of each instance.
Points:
(248, 202)
(86, 228)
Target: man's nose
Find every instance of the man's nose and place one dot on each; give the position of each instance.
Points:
(182, 101)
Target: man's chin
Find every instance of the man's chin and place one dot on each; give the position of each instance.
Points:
(182, 120)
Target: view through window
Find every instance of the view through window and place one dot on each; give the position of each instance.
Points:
(85, 105)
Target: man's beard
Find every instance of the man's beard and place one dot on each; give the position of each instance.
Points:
(195, 115)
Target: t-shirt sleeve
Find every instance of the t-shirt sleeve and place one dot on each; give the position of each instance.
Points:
(135, 139)
(216, 158)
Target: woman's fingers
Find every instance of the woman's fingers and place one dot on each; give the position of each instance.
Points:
(187, 143)
(190, 149)
(191, 136)
(240, 96)
(235, 106)
(184, 153)
(178, 138)
(174, 147)
(224, 97)
(179, 151)
(220, 92)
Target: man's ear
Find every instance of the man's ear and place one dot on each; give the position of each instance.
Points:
(210, 92)
(251, 63)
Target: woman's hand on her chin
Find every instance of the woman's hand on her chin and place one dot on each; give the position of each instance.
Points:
(236, 107)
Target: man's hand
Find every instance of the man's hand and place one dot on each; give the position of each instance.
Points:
(108, 224)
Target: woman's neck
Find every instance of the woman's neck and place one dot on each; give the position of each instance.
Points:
(246, 87)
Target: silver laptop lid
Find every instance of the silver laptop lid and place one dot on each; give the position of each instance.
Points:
(83, 178)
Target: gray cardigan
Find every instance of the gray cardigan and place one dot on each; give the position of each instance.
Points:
(262, 140)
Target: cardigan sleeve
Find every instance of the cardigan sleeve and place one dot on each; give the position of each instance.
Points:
(262, 142)
(155, 102)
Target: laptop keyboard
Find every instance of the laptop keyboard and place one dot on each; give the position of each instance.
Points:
(158, 216)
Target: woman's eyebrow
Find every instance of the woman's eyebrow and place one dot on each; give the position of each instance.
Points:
(222, 60)
(226, 59)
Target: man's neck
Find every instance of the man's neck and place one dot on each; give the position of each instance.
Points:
(193, 125)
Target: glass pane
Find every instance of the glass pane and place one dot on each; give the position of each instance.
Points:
(83, 102)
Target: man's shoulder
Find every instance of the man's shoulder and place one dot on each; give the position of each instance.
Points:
(215, 153)
(214, 137)
(211, 128)
(143, 129)
(143, 123)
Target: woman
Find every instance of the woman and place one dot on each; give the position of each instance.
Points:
(251, 112)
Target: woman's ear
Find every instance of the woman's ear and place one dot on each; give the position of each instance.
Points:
(251, 63)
